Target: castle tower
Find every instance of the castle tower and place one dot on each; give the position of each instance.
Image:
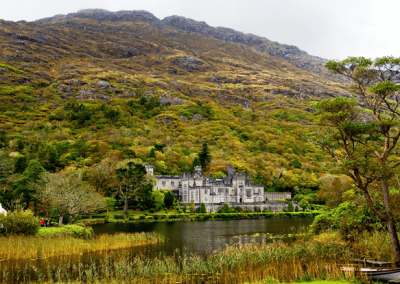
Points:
(197, 170)
(149, 169)
(230, 171)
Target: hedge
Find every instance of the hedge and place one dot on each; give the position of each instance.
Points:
(119, 216)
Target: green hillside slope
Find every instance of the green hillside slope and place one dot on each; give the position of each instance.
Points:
(77, 92)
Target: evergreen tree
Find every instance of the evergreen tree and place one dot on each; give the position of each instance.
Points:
(132, 183)
(22, 186)
(49, 158)
(290, 207)
(196, 162)
(20, 164)
(204, 156)
(168, 199)
(202, 208)
(152, 153)
(146, 197)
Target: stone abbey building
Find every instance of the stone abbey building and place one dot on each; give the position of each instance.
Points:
(235, 190)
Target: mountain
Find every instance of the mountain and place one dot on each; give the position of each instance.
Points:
(95, 86)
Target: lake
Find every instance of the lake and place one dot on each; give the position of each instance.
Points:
(205, 236)
(199, 237)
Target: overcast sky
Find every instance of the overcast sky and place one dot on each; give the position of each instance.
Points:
(332, 29)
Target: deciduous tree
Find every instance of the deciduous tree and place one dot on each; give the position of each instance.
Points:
(69, 194)
(364, 142)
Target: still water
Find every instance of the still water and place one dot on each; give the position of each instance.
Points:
(201, 237)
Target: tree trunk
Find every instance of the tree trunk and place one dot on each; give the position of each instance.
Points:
(60, 220)
(390, 224)
(126, 206)
(394, 241)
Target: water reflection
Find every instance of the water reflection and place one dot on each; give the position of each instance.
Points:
(200, 237)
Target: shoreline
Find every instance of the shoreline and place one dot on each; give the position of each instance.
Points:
(189, 217)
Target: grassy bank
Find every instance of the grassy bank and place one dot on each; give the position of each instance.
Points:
(37, 247)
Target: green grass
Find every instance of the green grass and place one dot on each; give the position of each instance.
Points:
(13, 69)
(67, 230)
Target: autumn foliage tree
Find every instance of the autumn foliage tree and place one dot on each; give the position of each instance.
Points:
(68, 194)
(363, 141)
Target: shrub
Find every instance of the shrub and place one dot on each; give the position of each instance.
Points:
(21, 222)
(202, 208)
(141, 217)
(101, 216)
(152, 210)
(290, 207)
(119, 216)
(131, 218)
(168, 199)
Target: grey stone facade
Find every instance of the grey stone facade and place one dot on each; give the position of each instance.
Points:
(235, 190)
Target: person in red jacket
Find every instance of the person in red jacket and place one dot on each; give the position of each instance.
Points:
(41, 222)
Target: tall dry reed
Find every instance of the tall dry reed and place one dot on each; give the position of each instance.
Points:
(36, 247)
(235, 264)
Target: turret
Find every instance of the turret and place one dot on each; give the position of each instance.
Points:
(230, 171)
(149, 169)
(197, 170)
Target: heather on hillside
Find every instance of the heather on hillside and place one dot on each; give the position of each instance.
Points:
(95, 95)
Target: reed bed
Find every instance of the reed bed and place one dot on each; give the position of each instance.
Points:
(236, 264)
(36, 247)
(374, 244)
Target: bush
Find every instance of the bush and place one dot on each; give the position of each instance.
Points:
(202, 208)
(119, 216)
(141, 217)
(152, 210)
(169, 199)
(348, 218)
(99, 216)
(20, 222)
(131, 218)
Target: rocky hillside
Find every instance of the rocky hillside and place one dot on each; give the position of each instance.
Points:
(289, 53)
(95, 85)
